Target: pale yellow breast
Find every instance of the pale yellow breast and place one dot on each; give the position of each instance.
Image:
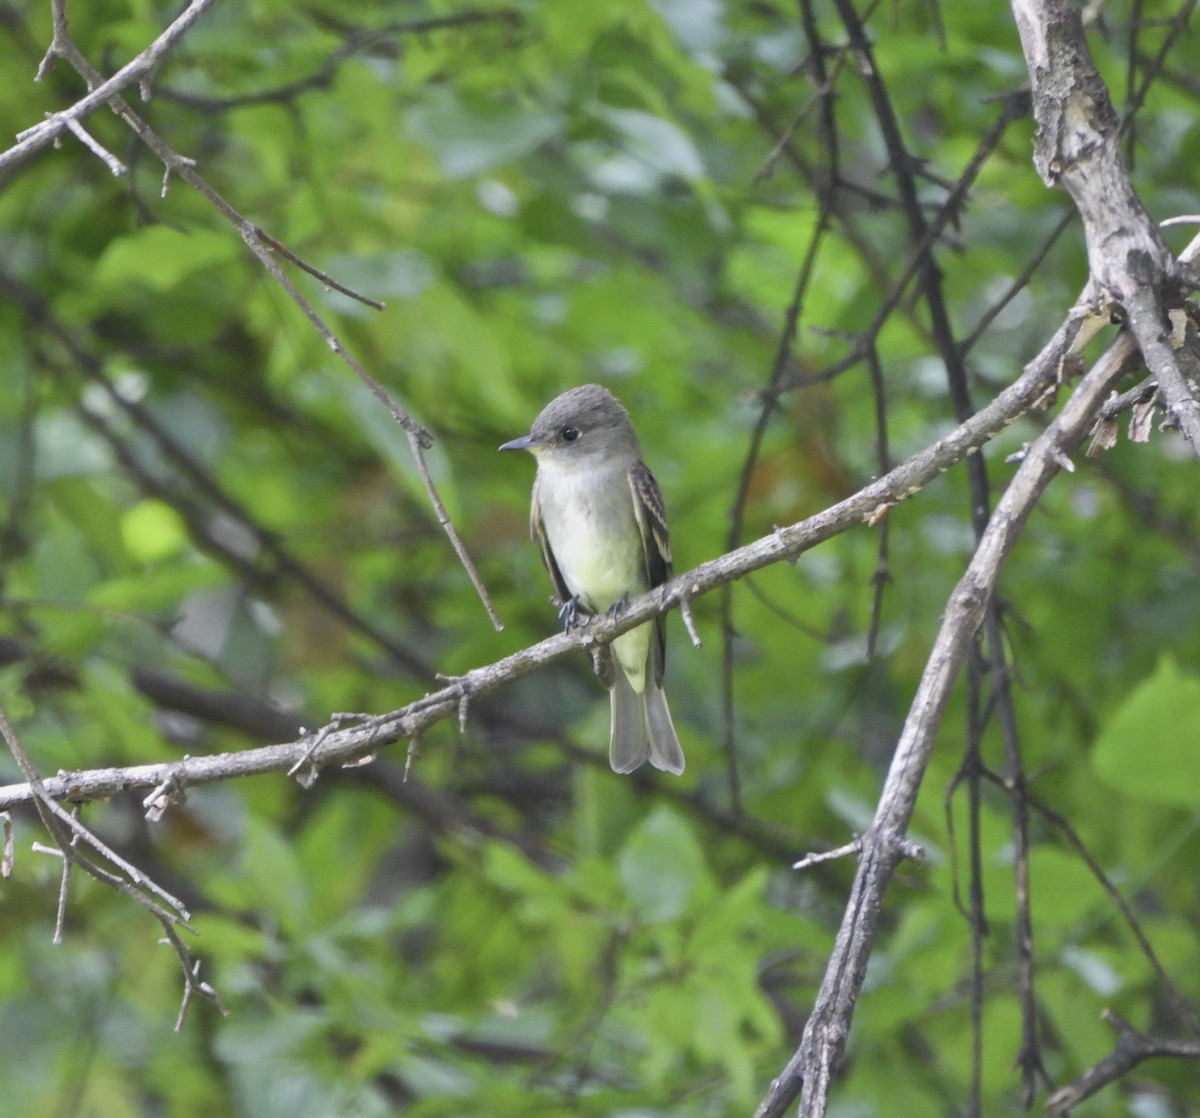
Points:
(594, 535)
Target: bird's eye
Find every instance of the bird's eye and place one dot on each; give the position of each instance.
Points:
(570, 434)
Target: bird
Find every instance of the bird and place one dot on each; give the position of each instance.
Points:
(597, 516)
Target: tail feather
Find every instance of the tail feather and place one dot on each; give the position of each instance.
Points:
(629, 743)
(665, 751)
(642, 729)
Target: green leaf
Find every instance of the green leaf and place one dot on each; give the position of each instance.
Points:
(468, 138)
(661, 866)
(660, 144)
(160, 257)
(1148, 748)
(269, 879)
(153, 530)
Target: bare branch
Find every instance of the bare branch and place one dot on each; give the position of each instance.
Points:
(60, 822)
(69, 834)
(1131, 1048)
(40, 135)
(192, 983)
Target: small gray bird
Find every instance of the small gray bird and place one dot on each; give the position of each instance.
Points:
(597, 516)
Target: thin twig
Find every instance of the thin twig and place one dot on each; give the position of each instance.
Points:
(355, 43)
(1178, 1002)
(769, 403)
(881, 577)
(1131, 1048)
(689, 622)
(96, 148)
(328, 280)
(817, 857)
(61, 823)
(193, 985)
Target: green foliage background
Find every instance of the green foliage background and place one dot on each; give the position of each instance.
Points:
(547, 192)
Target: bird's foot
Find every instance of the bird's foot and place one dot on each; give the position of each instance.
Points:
(568, 614)
(617, 606)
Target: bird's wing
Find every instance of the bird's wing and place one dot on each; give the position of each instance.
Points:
(652, 522)
(656, 545)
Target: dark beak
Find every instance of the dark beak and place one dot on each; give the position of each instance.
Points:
(525, 442)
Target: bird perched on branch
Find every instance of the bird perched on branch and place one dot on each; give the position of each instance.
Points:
(597, 516)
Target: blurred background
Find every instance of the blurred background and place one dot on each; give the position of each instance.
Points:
(212, 535)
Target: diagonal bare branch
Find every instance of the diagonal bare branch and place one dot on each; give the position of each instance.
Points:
(809, 1072)
(41, 135)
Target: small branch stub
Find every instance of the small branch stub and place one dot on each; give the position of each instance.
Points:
(6, 859)
(168, 794)
(818, 857)
(414, 749)
(462, 687)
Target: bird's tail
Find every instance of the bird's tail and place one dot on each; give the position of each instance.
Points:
(642, 729)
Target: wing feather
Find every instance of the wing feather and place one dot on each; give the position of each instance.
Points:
(656, 545)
